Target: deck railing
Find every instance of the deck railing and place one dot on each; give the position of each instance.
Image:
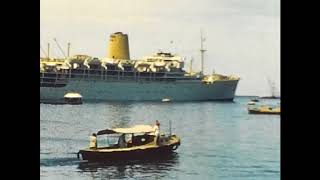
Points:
(62, 77)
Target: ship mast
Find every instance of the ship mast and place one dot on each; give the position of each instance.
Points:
(69, 44)
(202, 52)
(48, 50)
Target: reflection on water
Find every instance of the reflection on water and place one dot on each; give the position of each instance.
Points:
(156, 167)
(120, 112)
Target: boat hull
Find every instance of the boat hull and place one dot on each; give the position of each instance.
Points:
(148, 153)
(182, 90)
(264, 112)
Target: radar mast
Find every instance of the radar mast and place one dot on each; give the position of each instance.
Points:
(202, 51)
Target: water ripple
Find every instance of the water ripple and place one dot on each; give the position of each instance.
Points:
(220, 140)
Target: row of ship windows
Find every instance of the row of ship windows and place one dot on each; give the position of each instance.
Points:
(136, 90)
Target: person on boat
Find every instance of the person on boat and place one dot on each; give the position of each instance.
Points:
(122, 141)
(93, 141)
(157, 131)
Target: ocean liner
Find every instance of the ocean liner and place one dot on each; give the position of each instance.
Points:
(119, 78)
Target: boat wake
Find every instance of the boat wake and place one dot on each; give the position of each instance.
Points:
(63, 161)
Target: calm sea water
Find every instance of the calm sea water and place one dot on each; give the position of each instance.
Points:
(220, 140)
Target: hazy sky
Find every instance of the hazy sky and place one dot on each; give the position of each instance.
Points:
(242, 36)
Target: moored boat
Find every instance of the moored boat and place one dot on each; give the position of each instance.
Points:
(251, 103)
(264, 110)
(73, 98)
(166, 100)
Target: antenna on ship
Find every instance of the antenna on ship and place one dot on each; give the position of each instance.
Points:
(213, 71)
(272, 87)
(60, 47)
(191, 61)
(48, 50)
(202, 51)
(43, 51)
(69, 45)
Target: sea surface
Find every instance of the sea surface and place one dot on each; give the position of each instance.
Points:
(220, 140)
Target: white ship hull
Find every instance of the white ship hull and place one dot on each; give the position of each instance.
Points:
(181, 90)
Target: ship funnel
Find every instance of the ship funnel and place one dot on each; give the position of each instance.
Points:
(118, 46)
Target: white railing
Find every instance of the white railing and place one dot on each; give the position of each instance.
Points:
(111, 75)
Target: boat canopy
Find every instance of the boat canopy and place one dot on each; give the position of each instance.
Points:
(72, 95)
(130, 130)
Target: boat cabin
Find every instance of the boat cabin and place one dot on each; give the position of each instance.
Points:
(126, 137)
(137, 142)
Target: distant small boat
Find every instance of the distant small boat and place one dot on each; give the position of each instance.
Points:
(264, 110)
(166, 100)
(69, 98)
(251, 103)
(72, 98)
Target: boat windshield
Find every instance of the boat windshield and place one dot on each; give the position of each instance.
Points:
(108, 140)
(124, 140)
